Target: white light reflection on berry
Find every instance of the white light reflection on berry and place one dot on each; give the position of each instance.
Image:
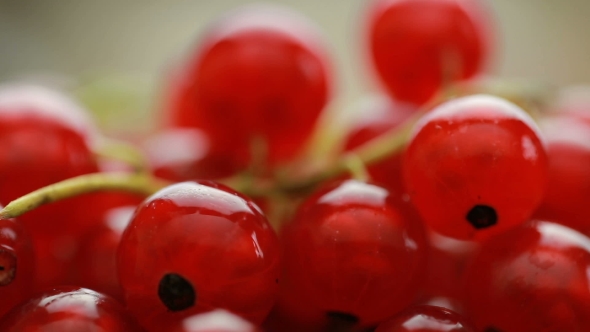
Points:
(422, 322)
(217, 320)
(259, 252)
(82, 302)
(558, 236)
(358, 192)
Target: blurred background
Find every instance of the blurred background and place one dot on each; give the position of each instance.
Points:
(116, 53)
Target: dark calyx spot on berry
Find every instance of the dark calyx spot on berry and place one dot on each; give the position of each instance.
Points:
(7, 267)
(482, 216)
(341, 319)
(176, 292)
(492, 329)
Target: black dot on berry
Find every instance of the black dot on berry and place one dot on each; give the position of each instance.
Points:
(277, 281)
(1, 268)
(482, 216)
(176, 293)
(342, 318)
(492, 329)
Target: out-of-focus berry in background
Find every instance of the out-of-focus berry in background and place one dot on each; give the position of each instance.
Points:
(116, 53)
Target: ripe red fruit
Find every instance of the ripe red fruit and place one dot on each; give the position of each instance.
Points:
(568, 185)
(259, 77)
(533, 278)
(475, 166)
(417, 46)
(17, 264)
(44, 138)
(193, 247)
(69, 309)
(350, 257)
(426, 318)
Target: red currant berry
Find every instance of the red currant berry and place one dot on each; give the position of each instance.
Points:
(69, 309)
(419, 45)
(426, 318)
(44, 139)
(17, 264)
(193, 247)
(216, 321)
(533, 278)
(475, 166)
(349, 257)
(378, 117)
(568, 187)
(260, 75)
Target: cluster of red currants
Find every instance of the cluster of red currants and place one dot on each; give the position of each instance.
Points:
(471, 218)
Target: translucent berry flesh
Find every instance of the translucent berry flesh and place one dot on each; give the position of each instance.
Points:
(532, 278)
(193, 247)
(259, 77)
(70, 309)
(475, 166)
(350, 258)
(417, 46)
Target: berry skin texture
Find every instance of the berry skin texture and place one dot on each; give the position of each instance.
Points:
(259, 75)
(193, 247)
(532, 278)
(418, 46)
(70, 309)
(350, 258)
(474, 167)
(426, 318)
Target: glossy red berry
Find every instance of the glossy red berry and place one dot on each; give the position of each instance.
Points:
(17, 264)
(215, 321)
(350, 257)
(44, 138)
(475, 166)
(259, 77)
(426, 318)
(69, 309)
(417, 46)
(379, 116)
(568, 186)
(533, 278)
(193, 247)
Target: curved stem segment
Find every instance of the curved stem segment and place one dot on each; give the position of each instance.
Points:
(141, 184)
(375, 150)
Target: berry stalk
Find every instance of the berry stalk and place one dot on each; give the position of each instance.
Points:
(140, 184)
